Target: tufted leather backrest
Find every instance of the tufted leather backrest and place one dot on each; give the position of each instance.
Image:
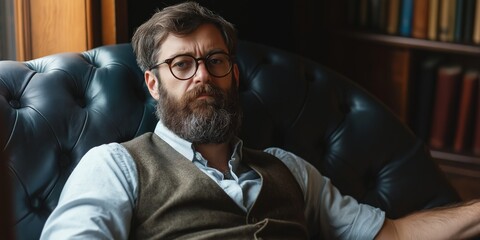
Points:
(56, 108)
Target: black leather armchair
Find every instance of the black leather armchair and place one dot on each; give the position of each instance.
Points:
(55, 108)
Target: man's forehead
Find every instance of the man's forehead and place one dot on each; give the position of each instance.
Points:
(206, 38)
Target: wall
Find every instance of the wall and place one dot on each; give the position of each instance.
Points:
(290, 25)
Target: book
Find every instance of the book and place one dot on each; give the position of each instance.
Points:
(363, 13)
(420, 19)
(469, 18)
(446, 23)
(423, 96)
(383, 15)
(466, 109)
(393, 15)
(374, 12)
(459, 21)
(352, 13)
(399, 61)
(445, 103)
(406, 18)
(476, 24)
(433, 12)
(476, 127)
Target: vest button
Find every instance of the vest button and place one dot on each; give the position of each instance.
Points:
(254, 220)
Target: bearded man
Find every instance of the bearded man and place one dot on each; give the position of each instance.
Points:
(192, 178)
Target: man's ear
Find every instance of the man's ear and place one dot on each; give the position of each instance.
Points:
(236, 73)
(152, 83)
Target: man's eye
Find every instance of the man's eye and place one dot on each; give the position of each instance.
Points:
(215, 61)
(181, 64)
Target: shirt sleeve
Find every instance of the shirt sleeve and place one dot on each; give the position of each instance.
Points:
(97, 199)
(328, 212)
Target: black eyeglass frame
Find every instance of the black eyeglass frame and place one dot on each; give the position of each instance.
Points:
(197, 64)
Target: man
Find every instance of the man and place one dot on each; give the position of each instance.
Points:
(192, 178)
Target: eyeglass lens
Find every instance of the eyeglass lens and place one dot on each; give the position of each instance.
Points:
(184, 66)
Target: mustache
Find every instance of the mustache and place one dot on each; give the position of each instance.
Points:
(204, 89)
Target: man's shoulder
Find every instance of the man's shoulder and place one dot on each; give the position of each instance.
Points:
(291, 160)
(294, 162)
(137, 139)
(281, 153)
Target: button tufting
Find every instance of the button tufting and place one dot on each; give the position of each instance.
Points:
(64, 160)
(36, 203)
(14, 103)
(81, 102)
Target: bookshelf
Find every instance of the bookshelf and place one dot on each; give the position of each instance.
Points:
(412, 43)
(391, 64)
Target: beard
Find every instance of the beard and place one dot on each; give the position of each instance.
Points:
(215, 119)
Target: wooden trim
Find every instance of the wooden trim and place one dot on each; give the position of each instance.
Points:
(45, 27)
(89, 23)
(121, 20)
(471, 173)
(108, 22)
(454, 157)
(74, 25)
(114, 21)
(93, 20)
(463, 175)
(23, 39)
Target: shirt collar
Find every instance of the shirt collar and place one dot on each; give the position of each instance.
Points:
(185, 147)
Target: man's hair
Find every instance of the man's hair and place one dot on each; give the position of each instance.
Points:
(180, 19)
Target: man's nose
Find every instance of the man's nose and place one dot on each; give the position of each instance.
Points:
(202, 75)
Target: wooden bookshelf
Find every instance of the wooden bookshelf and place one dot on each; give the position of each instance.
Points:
(366, 53)
(411, 43)
(455, 157)
(463, 172)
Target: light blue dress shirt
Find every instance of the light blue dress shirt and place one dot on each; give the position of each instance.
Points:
(99, 197)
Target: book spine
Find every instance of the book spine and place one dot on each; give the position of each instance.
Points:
(400, 73)
(441, 134)
(374, 14)
(383, 15)
(476, 133)
(420, 19)
(433, 12)
(393, 15)
(466, 111)
(352, 13)
(446, 20)
(363, 14)
(426, 75)
(406, 17)
(476, 27)
(469, 21)
(459, 21)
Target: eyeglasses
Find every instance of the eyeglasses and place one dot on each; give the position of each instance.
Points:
(184, 66)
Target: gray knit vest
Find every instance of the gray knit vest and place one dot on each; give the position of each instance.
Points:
(176, 200)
